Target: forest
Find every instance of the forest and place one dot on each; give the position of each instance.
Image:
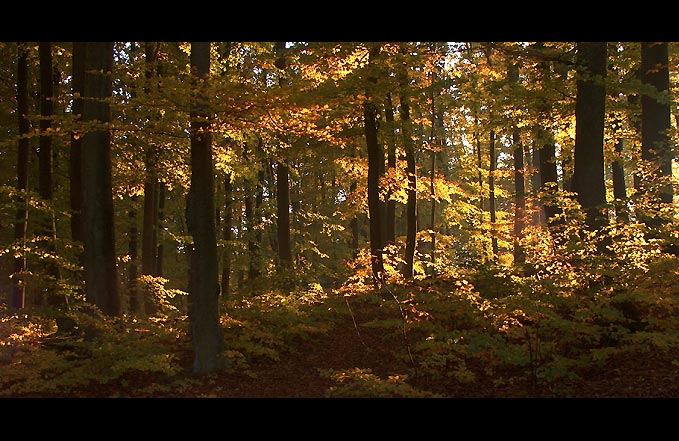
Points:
(339, 219)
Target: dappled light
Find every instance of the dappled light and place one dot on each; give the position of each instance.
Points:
(339, 220)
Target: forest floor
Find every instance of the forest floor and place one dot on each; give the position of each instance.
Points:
(331, 348)
(301, 372)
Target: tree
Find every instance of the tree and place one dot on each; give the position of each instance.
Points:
(21, 223)
(588, 177)
(374, 157)
(46, 169)
(75, 159)
(491, 185)
(411, 168)
(101, 278)
(655, 126)
(283, 190)
(206, 334)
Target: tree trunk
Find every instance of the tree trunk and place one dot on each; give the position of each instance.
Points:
(283, 212)
(491, 185)
(206, 334)
(618, 172)
(411, 205)
(548, 173)
(655, 125)
(46, 165)
(101, 279)
(390, 231)
(227, 236)
(149, 257)
(588, 177)
(519, 198)
(132, 273)
(375, 155)
(159, 229)
(21, 223)
(75, 161)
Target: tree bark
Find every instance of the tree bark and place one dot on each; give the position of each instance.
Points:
(101, 277)
(491, 185)
(519, 197)
(46, 170)
(588, 177)
(75, 162)
(132, 273)
(206, 334)
(390, 231)
(18, 289)
(283, 212)
(375, 155)
(655, 124)
(548, 173)
(149, 259)
(411, 205)
(227, 236)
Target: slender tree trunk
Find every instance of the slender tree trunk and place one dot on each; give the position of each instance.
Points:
(548, 173)
(520, 198)
(588, 178)
(375, 155)
(283, 189)
(132, 275)
(283, 211)
(75, 160)
(46, 167)
(618, 172)
(18, 290)
(354, 223)
(101, 277)
(227, 236)
(491, 185)
(432, 187)
(206, 334)
(411, 206)
(159, 229)
(149, 257)
(390, 231)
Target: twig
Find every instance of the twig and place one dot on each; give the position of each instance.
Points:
(403, 328)
(355, 324)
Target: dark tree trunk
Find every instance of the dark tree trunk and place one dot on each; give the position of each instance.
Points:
(491, 185)
(618, 172)
(354, 223)
(519, 179)
(132, 273)
(283, 212)
(149, 257)
(479, 161)
(251, 221)
(548, 173)
(227, 236)
(206, 334)
(375, 155)
(588, 178)
(46, 168)
(655, 125)
(21, 223)
(101, 277)
(283, 188)
(390, 231)
(432, 177)
(409, 148)
(520, 198)
(75, 162)
(159, 229)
